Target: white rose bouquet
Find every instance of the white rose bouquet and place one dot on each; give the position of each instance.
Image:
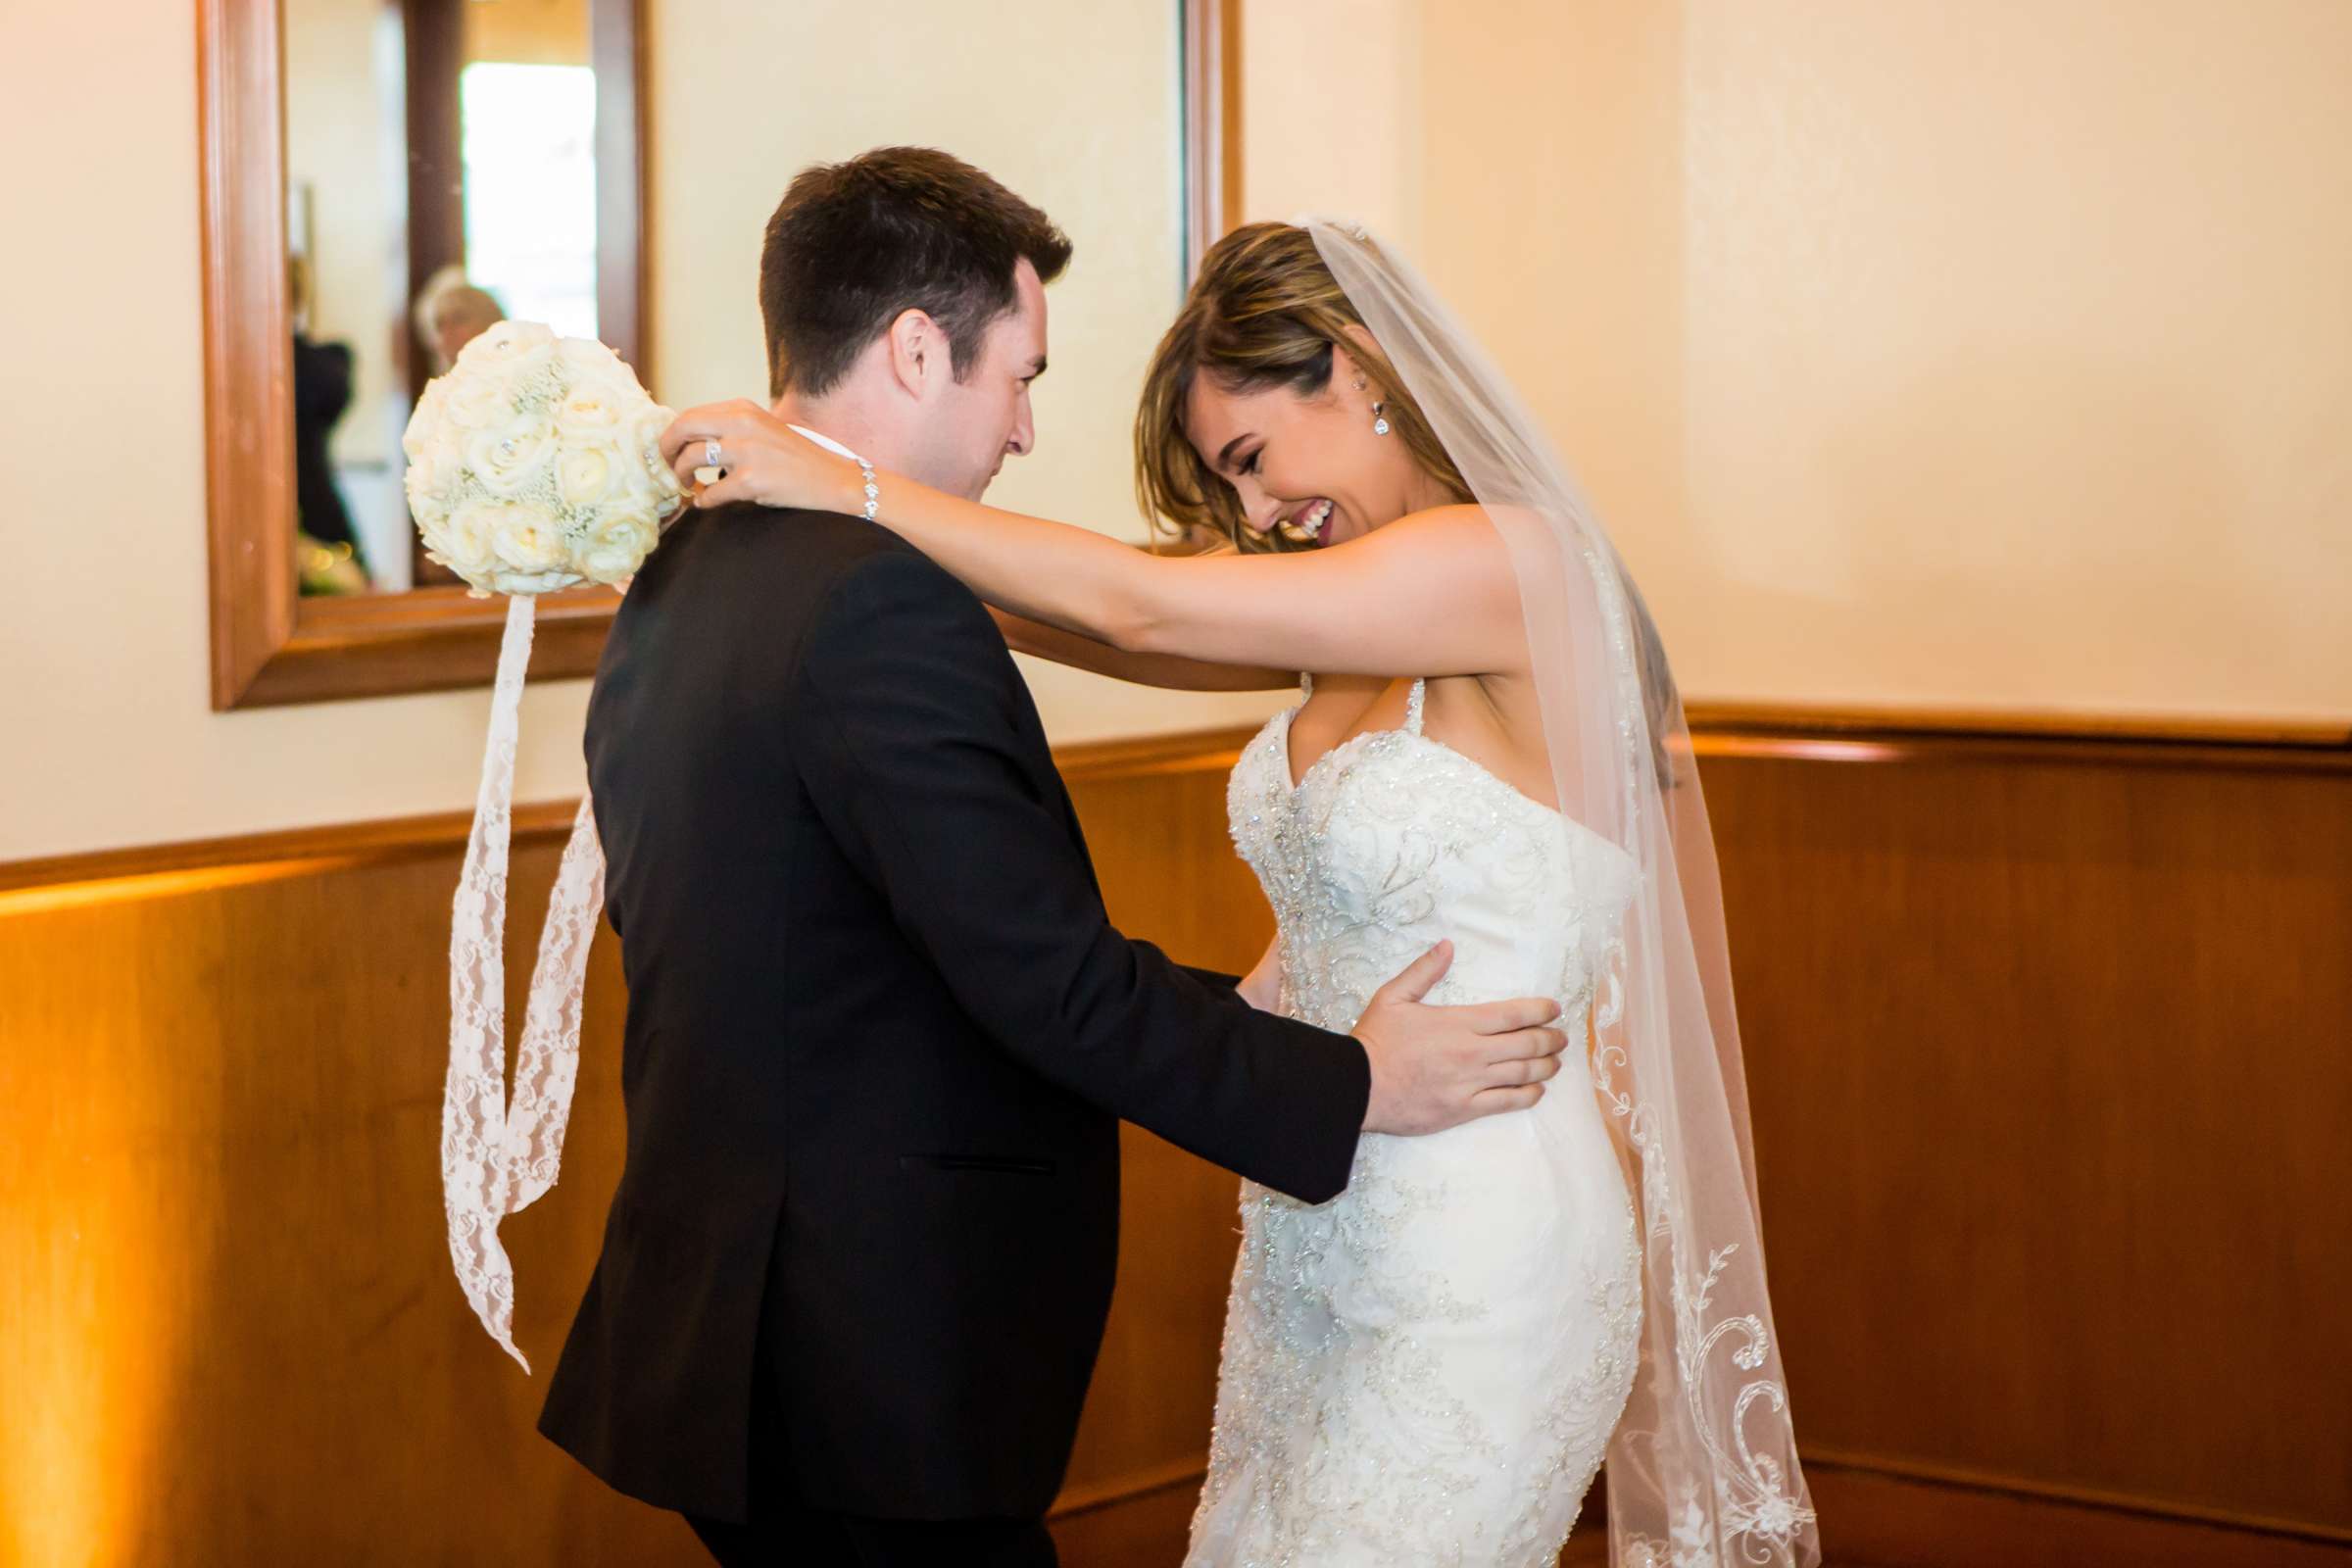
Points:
(535, 465)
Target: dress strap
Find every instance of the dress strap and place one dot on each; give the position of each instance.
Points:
(1306, 685)
(1413, 707)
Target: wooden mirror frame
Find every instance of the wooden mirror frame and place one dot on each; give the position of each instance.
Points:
(270, 644)
(1212, 125)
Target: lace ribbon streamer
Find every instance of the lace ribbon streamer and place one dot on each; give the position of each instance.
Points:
(497, 1157)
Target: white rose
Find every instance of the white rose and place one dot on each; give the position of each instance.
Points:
(506, 344)
(586, 474)
(615, 550)
(425, 424)
(651, 478)
(515, 361)
(523, 584)
(587, 359)
(506, 460)
(645, 437)
(644, 501)
(593, 410)
(478, 403)
(413, 485)
(527, 539)
(463, 538)
(422, 481)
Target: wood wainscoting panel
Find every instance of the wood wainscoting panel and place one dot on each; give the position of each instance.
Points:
(2045, 1043)
(2046, 1046)
(1154, 821)
(1871, 1517)
(229, 1331)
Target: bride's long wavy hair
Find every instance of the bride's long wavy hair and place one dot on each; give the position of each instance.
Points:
(1266, 312)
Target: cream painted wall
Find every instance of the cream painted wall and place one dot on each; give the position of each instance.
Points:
(1555, 229)
(1332, 112)
(1995, 355)
(103, 639)
(2018, 353)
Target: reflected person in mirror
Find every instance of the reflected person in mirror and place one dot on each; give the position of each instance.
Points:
(326, 547)
(450, 313)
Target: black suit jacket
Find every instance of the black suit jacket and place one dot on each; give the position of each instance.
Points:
(321, 392)
(880, 1032)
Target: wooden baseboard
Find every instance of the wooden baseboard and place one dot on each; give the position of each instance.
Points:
(1133, 1522)
(1871, 1518)
(1884, 1520)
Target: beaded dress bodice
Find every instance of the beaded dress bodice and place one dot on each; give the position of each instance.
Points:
(1389, 842)
(1426, 1369)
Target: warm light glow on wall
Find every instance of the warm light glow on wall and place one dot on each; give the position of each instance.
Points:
(92, 1347)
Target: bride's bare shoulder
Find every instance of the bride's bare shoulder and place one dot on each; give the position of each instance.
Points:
(1456, 524)
(1460, 539)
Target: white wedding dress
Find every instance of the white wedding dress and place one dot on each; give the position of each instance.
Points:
(1426, 1370)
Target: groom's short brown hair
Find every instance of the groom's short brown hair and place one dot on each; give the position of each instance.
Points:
(854, 244)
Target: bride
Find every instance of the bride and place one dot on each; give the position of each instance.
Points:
(1430, 1368)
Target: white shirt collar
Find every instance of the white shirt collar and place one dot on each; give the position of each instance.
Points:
(828, 443)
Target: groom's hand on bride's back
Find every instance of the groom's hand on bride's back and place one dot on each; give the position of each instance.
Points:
(1437, 1067)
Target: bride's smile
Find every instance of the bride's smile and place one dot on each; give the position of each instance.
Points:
(1305, 524)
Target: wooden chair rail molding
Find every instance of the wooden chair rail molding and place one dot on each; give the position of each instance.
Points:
(1858, 734)
(1718, 730)
(296, 852)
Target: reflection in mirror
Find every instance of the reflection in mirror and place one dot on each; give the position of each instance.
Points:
(339, 136)
(440, 176)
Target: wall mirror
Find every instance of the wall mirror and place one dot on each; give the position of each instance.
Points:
(381, 179)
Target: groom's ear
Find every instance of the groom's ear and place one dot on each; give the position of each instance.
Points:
(918, 352)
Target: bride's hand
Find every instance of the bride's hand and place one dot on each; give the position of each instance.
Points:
(762, 460)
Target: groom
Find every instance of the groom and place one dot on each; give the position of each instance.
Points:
(880, 1031)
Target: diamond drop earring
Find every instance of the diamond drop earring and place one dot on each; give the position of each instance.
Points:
(1380, 420)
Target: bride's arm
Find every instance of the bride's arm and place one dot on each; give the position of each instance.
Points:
(1428, 594)
(1042, 641)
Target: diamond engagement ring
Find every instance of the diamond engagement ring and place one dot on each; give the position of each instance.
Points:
(710, 452)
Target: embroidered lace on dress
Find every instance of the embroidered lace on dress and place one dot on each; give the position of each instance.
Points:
(1426, 1370)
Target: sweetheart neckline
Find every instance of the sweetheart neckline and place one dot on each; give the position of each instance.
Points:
(1296, 788)
(1278, 733)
